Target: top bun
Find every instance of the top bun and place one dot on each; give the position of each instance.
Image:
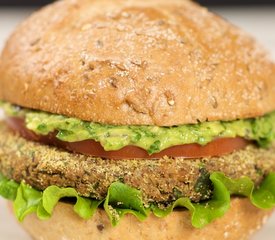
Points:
(142, 62)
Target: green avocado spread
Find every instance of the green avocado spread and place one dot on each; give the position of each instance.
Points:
(151, 138)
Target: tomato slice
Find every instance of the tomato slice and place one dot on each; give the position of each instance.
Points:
(218, 147)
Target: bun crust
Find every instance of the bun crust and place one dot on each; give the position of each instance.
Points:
(240, 222)
(140, 62)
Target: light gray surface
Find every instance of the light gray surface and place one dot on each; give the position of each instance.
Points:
(258, 21)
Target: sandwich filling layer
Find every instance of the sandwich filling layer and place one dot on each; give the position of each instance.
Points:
(36, 177)
(206, 139)
(160, 180)
(218, 147)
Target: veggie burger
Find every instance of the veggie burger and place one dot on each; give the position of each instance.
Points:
(136, 119)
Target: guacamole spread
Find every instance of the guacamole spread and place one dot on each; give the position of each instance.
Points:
(151, 138)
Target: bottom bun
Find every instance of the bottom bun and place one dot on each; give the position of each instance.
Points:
(240, 222)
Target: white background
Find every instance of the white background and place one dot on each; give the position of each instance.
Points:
(259, 21)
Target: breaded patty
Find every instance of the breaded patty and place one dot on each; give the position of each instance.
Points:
(160, 180)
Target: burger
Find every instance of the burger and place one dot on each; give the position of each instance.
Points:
(136, 120)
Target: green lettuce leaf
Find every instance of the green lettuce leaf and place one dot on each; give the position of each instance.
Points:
(84, 207)
(27, 201)
(8, 188)
(122, 199)
(205, 212)
(264, 196)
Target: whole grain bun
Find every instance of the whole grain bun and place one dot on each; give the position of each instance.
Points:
(136, 62)
(240, 222)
